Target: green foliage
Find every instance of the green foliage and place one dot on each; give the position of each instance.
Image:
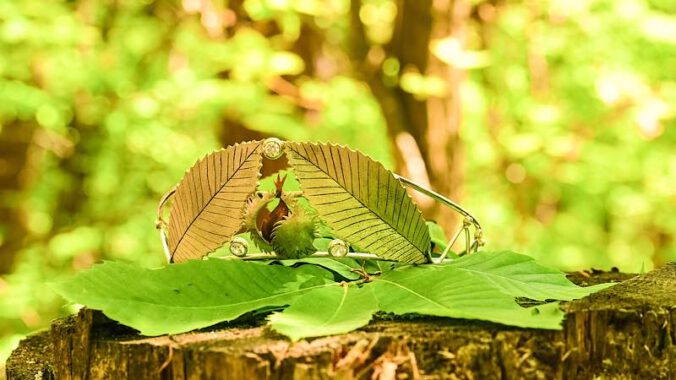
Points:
(197, 294)
(570, 132)
(182, 297)
(520, 276)
(437, 236)
(439, 239)
(449, 292)
(344, 267)
(326, 311)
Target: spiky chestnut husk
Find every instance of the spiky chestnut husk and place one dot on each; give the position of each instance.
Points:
(254, 205)
(293, 236)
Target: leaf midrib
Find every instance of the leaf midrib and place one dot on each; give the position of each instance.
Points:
(340, 305)
(491, 276)
(415, 293)
(563, 292)
(216, 306)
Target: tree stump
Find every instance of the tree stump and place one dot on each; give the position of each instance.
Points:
(625, 332)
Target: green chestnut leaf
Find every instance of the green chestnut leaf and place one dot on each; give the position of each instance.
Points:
(329, 310)
(183, 297)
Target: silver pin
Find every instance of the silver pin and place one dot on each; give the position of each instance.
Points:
(272, 148)
(337, 248)
(239, 246)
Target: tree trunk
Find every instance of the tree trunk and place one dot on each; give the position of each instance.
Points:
(625, 332)
(17, 172)
(424, 131)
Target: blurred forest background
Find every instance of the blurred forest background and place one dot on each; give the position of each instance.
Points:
(553, 121)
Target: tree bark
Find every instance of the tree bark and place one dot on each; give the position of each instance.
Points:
(624, 332)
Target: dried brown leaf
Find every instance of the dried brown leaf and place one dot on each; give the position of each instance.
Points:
(361, 201)
(209, 202)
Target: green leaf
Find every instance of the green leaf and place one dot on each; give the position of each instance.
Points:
(380, 267)
(450, 292)
(315, 274)
(183, 297)
(322, 244)
(361, 201)
(520, 276)
(343, 266)
(326, 311)
(437, 235)
(267, 184)
(200, 293)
